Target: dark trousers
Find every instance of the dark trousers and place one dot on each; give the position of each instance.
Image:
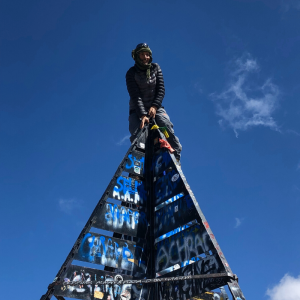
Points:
(162, 120)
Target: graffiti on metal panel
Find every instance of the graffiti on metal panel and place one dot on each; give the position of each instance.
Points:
(210, 296)
(168, 186)
(136, 163)
(122, 219)
(183, 290)
(84, 291)
(211, 263)
(174, 215)
(110, 251)
(174, 231)
(223, 294)
(141, 141)
(118, 216)
(172, 199)
(112, 292)
(236, 291)
(126, 190)
(187, 289)
(161, 162)
(181, 248)
(139, 291)
(142, 195)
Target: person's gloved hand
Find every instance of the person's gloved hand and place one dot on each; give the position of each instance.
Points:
(145, 119)
(152, 112)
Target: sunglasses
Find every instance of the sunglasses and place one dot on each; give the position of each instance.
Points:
(142, 45)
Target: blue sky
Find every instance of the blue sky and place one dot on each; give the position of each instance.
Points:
(231, 71)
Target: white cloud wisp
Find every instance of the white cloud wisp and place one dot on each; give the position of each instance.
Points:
(244, 105)
(68, 205)
(287, 289)
(238, 222)
(123, 140)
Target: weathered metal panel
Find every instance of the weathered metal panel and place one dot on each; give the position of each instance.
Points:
(77, 273)
(235, 290)
(141, 141)
(135, 164)
(142, 195)
(170, 200)
(216, 247)
(207, 296)
(174, 215)
(167, 186)
(128, 190)
(193, 250)
(182, 248)
(223, 293)
(189, 288)
(161, 162)
(121, 219)
(112, 252)
(210, 296)
(201, 265)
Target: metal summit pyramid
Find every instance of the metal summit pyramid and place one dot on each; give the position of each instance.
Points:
(147, 238)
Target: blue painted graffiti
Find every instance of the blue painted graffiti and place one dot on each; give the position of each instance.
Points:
(207, 264)
(126, 189)
(168, 186)
(109, 251)
(121, 219)
(160, 162)
(172, 232)
(187, 289)
(182, 247)
(136, 164)
(118, 216)
(172, 199)
(142, 195)
(174, 215)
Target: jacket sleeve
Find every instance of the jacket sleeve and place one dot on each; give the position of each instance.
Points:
(134, 93)
(160, 88)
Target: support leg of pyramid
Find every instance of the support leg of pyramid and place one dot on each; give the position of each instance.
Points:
(156, 242)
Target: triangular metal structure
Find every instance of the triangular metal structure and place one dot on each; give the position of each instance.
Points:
(154, 241)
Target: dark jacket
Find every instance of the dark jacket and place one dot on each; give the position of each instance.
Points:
(145, 93)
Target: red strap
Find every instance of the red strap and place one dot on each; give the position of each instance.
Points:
(165, 144)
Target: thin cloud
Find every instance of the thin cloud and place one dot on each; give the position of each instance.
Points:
(197, 87)
(296, 188)
(68, 205)
(287, 289)
(293, 132)
(238, 222)
(244, 104)
(123, 140)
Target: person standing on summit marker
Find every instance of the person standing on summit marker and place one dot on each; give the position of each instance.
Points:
(145, 85)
